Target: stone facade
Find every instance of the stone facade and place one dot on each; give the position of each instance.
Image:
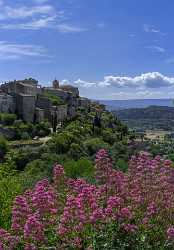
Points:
(56, 84)
(84, 102)
(7, 103)
(39, 115)
(25, 107)
(71, 89)
(61, 112)
(31, 102)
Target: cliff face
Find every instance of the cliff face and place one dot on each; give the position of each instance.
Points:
(34, 103)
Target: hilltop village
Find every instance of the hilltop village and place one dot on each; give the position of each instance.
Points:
(34, 103)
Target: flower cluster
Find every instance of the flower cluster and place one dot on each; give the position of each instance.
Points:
(70, 213)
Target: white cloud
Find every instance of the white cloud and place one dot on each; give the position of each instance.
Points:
(148, 85)
(36, 17)
(16, 51)
(25, 12)
(152, 29)
(156, 49)
(69, 28)
(85, 84)
(152, 80)
(40, 23)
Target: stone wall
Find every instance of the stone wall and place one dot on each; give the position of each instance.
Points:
(7, 103)
(84, 102)
(39, 115)
(28, 87)
(61, 112)
(72, 113)
(25, 105)
(72, 89)
(58, 92)
(27, 99)
(44, 103)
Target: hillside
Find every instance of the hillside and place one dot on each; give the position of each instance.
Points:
(151, 112)
(136, 103)
(152, 117)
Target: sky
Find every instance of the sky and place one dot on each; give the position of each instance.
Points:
(110, 49)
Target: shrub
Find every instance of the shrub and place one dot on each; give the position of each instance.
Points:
(7, 119)
(54, 99)
(119, 150)
(80, 168)
(122, 165)
(42, 129)
(3, 147)
(93, 145)
(25, 136)
(132, 210)
(61, 142)
(108, 137)
(22, 156)
(75, 151)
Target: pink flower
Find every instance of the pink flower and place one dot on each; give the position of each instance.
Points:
(170, 232)
(126, 213)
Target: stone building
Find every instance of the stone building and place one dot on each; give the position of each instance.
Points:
(56, 84)
(7, 103)
(25, 107)
(31, 102)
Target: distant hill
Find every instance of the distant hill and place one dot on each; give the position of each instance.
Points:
(137, 103)
(151, 112)
(152, 117)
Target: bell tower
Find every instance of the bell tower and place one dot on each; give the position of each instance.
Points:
(56, 84)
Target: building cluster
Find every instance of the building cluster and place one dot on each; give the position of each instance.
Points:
(34, 103)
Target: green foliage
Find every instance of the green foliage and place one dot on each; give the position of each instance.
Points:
(108, 136)
(22, 156)
(61, 142)
(7, 119)
(9, 188)
(81, 168)
(93, 145)
(3, 147)
(56, 101)
(74, 147)
(42, 129)
(25, 136)
(119, 151)
(75, 151)
(122, 165)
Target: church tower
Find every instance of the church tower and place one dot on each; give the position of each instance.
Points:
(56, 84)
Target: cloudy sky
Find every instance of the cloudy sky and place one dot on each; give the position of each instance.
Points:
(110, 49)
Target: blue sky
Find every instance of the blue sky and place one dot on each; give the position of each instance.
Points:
(110, 49)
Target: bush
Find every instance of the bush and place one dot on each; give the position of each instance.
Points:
(42, 129)
(75, 151)
(122, 165)
(61, 142)
(120, 211)
(93, 145)
(25, 136)
(119, 150)
(22, 156)
(7, 119)
(56, 101)
(3, 147)
(81, 168)
(108, 136)
(9, 188)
